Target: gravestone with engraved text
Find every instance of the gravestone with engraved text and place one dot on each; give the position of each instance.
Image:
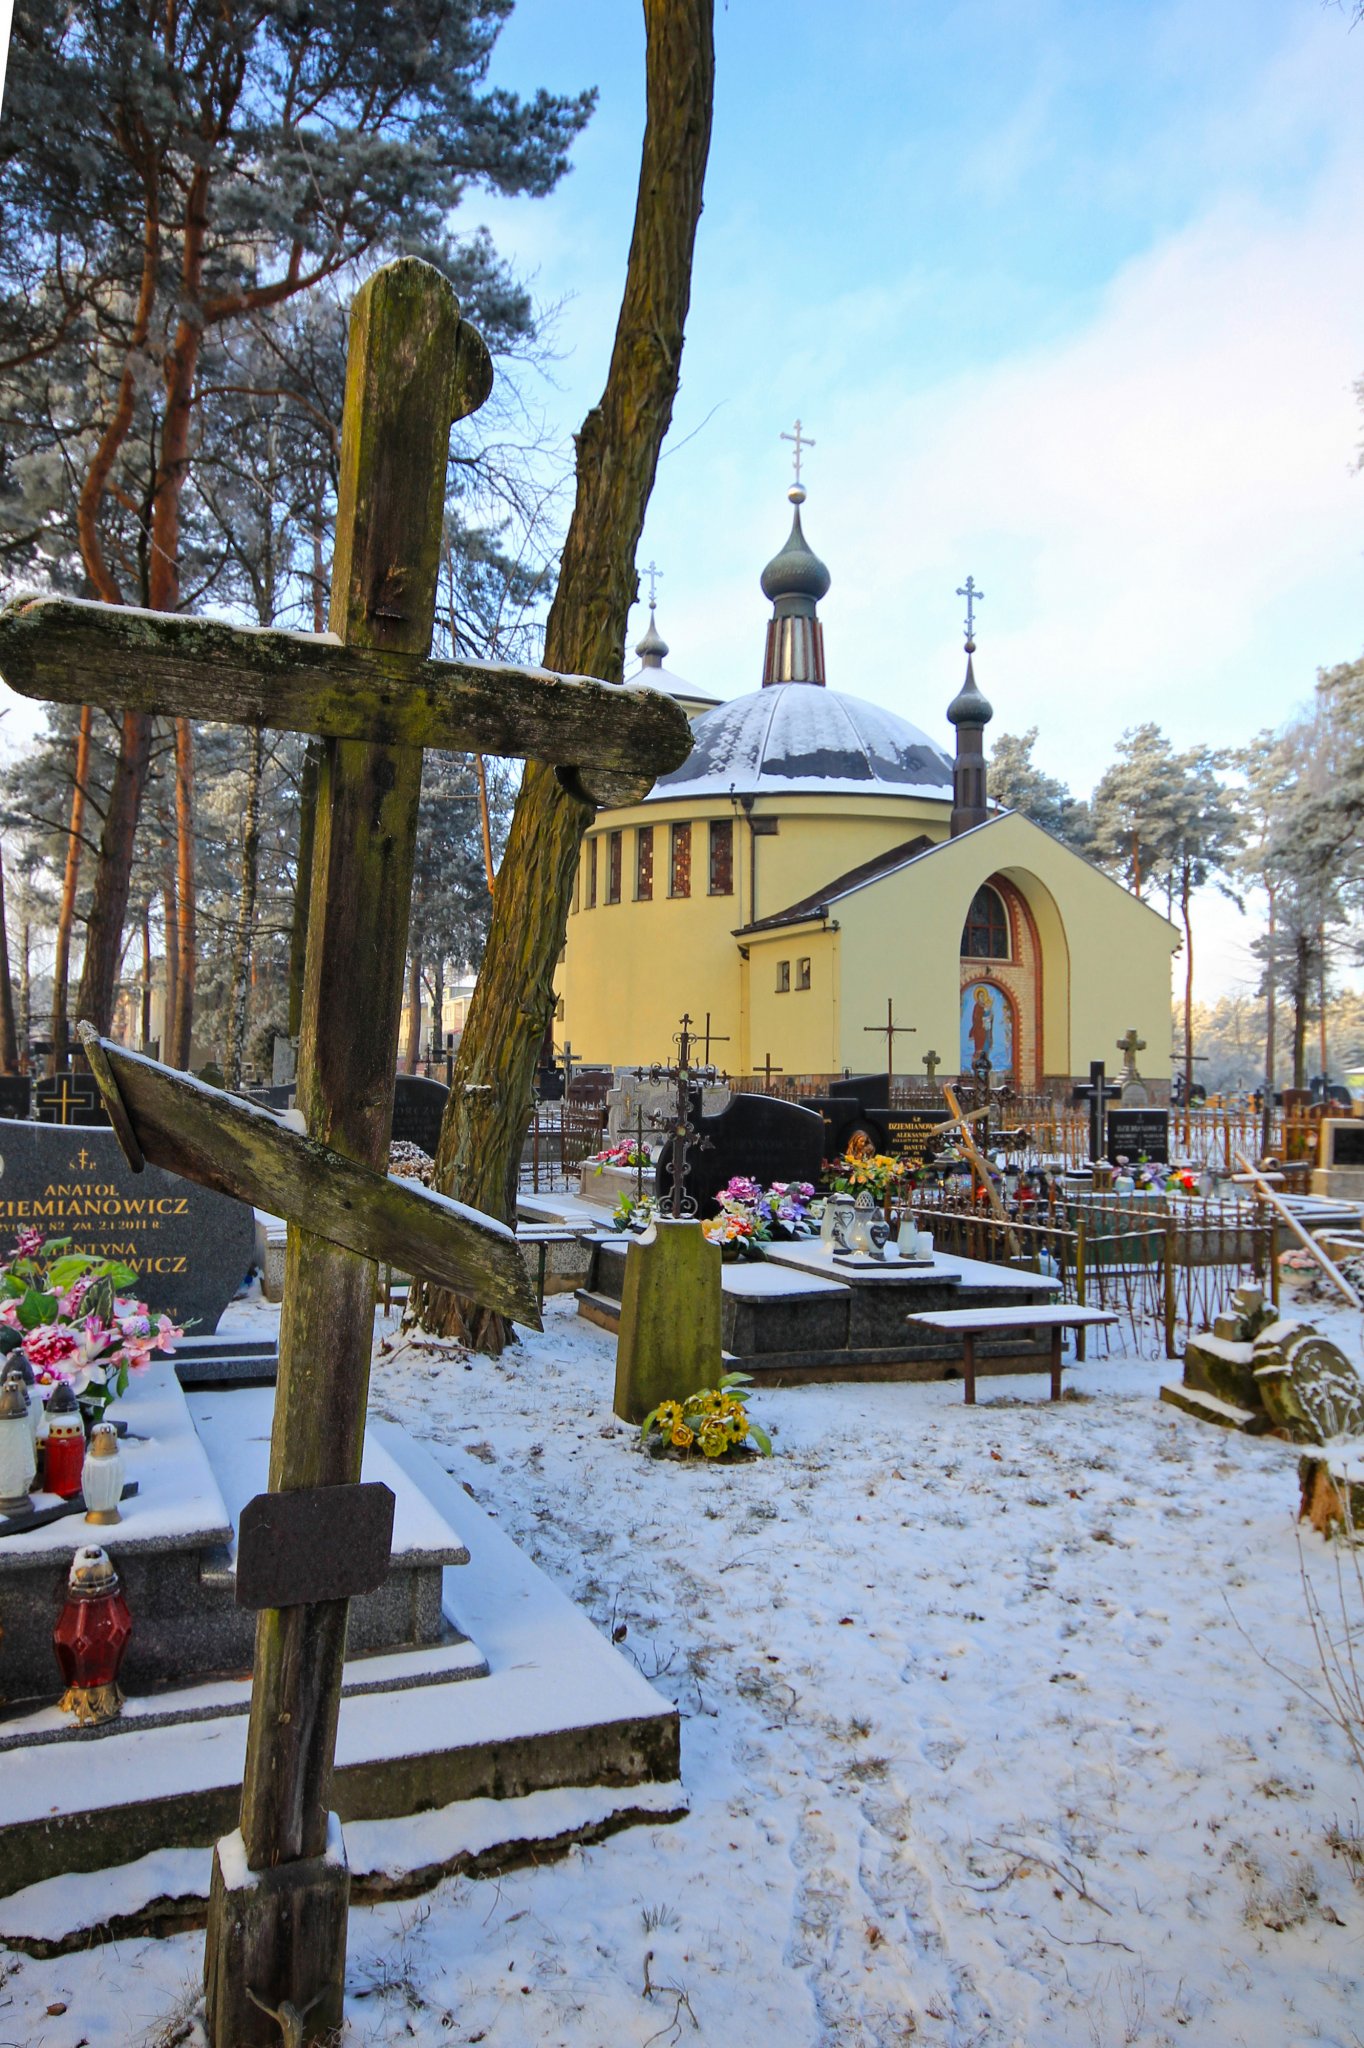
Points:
(190, 1247)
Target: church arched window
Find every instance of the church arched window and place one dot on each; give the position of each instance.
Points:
(985, 935)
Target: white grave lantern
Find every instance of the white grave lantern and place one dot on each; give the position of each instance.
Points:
(102, 1475)
(17, 1462)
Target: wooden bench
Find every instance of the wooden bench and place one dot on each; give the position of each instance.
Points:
(970, 1323)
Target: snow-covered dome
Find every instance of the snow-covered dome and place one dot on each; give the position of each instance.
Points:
(803, 739)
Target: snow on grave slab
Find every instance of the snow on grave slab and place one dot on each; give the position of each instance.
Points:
(558, 1709)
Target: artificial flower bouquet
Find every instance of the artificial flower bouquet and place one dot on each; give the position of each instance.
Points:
(711, 1423)
(72, 1319)
(875, 1172)
(751, 1215)
(628, 1153)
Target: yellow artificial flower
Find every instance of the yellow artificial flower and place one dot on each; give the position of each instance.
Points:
(714, 1439)
(682, 1437)
(668, 1416)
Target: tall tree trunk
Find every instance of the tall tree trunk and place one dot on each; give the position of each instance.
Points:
(480, 1142)
(1271, 1020)
(184, 882)
(1185, 892)
(9, 1036)
(246, 911)
(1302, 986)
(25, 999)
(113, 870)
(414, 1009)
(438, 1006)
(66, 910)
(170, 920)
(485, 821)
(1321, 1006)
(303, 873)
(145, 1021)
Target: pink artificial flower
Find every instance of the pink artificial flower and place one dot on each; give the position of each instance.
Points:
(9, 1311)
(49, 1347)
(168, 1334)
(29, 1243)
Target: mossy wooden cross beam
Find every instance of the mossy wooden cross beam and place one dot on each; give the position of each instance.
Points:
(277, 1914)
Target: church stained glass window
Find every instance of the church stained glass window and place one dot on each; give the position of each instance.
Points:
(985, 935)
(722, 858)
(644, 864)
(679, 877)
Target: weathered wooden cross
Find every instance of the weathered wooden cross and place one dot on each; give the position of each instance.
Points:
(370, 689)
(890, 1031)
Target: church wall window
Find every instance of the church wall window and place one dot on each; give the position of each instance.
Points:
(644, 864)
(783, 977)
(803, 973)
(614, 854)
(985, 935)
(679, 863)
(722, 857)
(590, 873)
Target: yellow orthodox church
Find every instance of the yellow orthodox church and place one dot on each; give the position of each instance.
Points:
(819, 869)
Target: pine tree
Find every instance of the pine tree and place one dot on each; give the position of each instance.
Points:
(1018, 784)
(167, 174)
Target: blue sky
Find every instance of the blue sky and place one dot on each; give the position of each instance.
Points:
(1070, 296)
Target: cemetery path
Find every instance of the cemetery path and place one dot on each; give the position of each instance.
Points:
(981, 1746)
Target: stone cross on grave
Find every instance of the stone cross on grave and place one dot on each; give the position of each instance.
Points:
(1129, 1045)
(890, 1031)
(932, 1061)
(370, 689)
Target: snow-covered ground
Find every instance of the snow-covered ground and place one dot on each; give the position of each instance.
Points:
(989, 1730)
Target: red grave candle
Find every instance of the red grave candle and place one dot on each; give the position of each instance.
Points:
(65, 1444)
(90, 1637)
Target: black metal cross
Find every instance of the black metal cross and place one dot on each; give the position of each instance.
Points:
(710, 1038)
(890, 1031)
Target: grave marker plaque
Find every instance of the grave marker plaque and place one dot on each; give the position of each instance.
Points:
(1137, 1133)
(418, 1106)
(912, 1134)
(190, 1247)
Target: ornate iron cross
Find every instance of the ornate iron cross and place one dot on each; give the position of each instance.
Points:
(973, 598)
(802, 442)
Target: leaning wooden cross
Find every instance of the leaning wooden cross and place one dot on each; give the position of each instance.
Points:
(277, 1916)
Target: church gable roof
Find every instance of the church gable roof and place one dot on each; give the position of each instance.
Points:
(909, 854)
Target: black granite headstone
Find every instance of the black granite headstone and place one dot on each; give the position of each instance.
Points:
(190, 1246)
(16, 1095)
(418, 1106)
(1139, 1133)
(1347, 1144)
(757, 1136)
(913, 1134)
(69, 1099)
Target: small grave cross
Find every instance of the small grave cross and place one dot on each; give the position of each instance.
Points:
(932, 1061)
(890, 1031)
(769, 1070)
(370, 688)
(1129, 1045)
